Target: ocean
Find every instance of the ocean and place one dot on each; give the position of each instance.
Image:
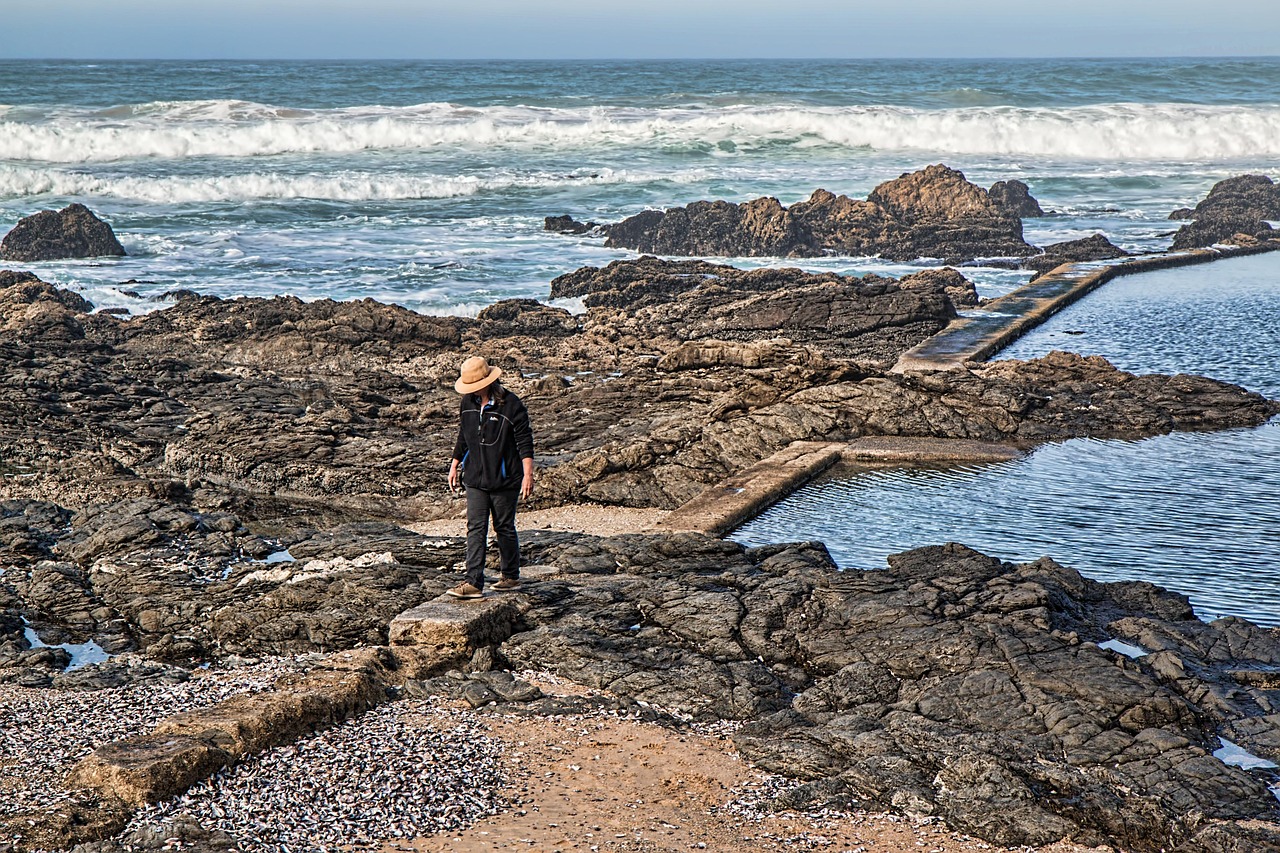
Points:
(426, 183)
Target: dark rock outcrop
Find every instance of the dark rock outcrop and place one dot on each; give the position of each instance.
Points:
(1015, 198)
(677, 375)
(31, 309)
(689, 300)
(952, 685)
(73, 232)
(1237, 210)
(566, 224)
(1222, 228)
(1095, 248)
(933, 213)
(958, 289)
(1254, 196)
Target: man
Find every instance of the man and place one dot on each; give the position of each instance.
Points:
(494, 460)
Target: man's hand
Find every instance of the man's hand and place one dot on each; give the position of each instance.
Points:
(454, 485)
(526, 485)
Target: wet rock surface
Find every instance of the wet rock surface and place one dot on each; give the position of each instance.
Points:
(1095, 248)
(933, 213)
(73, 232)
(1237, 210)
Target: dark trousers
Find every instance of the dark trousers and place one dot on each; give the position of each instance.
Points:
(481, 505)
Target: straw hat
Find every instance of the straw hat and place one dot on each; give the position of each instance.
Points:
(476, 374)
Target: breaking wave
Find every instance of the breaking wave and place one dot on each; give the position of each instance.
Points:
(16, 182)
(1179, 132)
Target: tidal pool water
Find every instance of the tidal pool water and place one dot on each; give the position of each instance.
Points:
(1198, 513)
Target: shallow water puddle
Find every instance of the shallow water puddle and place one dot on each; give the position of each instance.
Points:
(82, 654)
(1237, 756)
(1124, 648)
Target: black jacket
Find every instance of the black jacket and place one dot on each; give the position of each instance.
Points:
(491, 447)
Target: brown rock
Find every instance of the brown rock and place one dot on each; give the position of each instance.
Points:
(1015, 198)
(148, 768)
(951, 282)
(1236, 211)
(931, 213)
(451, 631)
(73, 232)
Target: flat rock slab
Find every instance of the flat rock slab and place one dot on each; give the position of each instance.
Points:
(190, 746)
(454, 628)
(247, 724)
(730, 502)
(149, 768)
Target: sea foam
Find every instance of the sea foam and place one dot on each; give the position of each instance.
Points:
(17, 182)
(1179, 132)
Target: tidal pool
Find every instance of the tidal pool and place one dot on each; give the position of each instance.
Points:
(1198, 513)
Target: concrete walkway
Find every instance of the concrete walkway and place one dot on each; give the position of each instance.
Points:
(974, 337)
(982, 333)
(731, 502)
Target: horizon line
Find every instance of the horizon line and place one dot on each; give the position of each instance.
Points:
(1019, 58)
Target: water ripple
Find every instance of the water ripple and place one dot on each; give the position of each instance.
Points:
(1194, 512)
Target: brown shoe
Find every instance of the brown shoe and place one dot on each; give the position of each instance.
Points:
(465, 590)
(507, 584)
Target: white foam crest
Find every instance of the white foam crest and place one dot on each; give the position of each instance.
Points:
(352, 186)
(1179, 132)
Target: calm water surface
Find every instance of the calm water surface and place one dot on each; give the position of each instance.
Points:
(1198, 513)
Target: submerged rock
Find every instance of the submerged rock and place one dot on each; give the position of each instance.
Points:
(73, 232)
(568, 225)
(933, 213)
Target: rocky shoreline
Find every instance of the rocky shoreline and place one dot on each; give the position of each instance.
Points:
(231, 478)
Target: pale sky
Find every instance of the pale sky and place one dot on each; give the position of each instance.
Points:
(621, 29)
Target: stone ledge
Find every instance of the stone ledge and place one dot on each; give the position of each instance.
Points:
(149, 768)
(190, 746)
(983, 333)
(907, 450)
(724, 506)
(731, 502)
(247, 724)
(453, 628)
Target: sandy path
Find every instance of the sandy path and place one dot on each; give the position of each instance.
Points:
(580, 518)
(605, 784)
